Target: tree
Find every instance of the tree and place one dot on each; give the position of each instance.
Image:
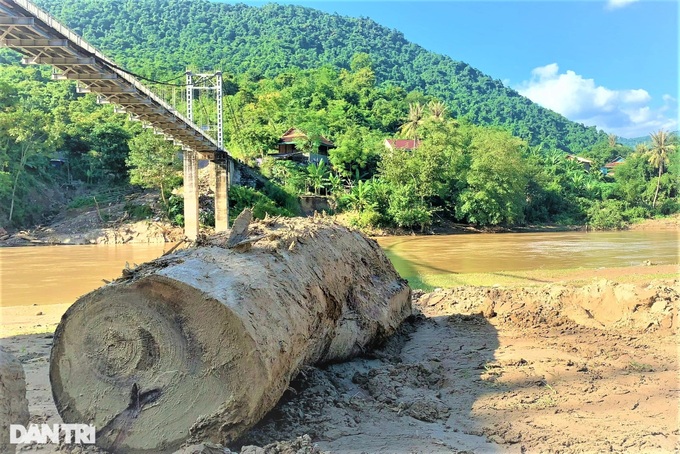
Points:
(26, 134)
(437, 110)
(154, 163)
(317, 175)
(496, 181)
(356, 151)
(632, 180)
(612, 139)
(663, 144)
(415, 118)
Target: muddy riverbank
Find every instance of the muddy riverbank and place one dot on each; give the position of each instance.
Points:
(478, 369)
(112, 225)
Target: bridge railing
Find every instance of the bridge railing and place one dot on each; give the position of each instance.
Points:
(87, 48)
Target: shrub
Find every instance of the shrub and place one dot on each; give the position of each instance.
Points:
(407, 210)
(669, 206)
(606, 215)
(138, 212)
(242, 197)
(366, 219)
(176, 210)
(635, 214)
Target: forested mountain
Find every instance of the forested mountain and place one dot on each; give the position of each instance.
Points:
(348, 80)
(158, 38)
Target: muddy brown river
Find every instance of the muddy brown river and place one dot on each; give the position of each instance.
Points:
(487, 253)
(60, 274)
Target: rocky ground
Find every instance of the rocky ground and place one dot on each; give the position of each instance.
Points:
(109, 224)
(556, 368)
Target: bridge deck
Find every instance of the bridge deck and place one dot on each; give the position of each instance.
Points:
(43, 40)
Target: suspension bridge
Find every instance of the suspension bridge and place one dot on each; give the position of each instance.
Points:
(42, 40)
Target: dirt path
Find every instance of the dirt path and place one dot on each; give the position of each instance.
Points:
(482, 370)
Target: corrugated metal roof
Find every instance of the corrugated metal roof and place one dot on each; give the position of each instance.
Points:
(294, 134)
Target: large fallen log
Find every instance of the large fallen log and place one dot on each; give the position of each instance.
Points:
(203, 342)
(13, 403)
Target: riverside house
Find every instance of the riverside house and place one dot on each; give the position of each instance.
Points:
(287, 148)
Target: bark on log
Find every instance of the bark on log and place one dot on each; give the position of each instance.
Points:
(205, 341)
(13, 403)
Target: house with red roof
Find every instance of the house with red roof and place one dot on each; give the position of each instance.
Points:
(287, 147)
(609, 168)
(402, 144)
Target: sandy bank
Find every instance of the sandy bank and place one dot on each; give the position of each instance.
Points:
(553, 367)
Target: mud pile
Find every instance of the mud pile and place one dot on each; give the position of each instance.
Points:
(604, 304)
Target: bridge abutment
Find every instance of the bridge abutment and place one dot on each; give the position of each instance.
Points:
(190, 194)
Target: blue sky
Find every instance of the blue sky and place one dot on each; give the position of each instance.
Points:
(608, 63)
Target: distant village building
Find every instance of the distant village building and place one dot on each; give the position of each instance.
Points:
(402, 144)
(586, 163)
(287, 148)
(58, 159)
(610, 167)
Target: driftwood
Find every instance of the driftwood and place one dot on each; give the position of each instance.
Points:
(13, 403)
(200, 344)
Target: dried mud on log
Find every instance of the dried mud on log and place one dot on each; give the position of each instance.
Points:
(203, 342)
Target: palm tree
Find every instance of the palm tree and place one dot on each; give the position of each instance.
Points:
(663, 144)
(437, 110)
(642, 148)
(413, 121)
(613, 140)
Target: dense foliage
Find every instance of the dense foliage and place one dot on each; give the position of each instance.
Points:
(489, 169)
(161, 38)
(50, 137)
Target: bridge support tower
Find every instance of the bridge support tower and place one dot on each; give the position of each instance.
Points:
(219, 165)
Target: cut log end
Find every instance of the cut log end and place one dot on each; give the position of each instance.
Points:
(125, 357)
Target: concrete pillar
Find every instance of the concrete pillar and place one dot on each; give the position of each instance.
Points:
(221, 192)
(190, 194)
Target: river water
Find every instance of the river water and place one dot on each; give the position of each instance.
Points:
(488, 253)
(60, 274)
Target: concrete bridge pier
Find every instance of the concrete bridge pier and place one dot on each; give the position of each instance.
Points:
(190, 194)
(221, 191)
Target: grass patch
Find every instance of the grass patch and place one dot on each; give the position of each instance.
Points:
(138, 212)
(533, 278)
(81, 202)
(634, 366)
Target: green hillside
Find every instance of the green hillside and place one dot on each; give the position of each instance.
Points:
(346, 80)
(158, 38)
(631, 143)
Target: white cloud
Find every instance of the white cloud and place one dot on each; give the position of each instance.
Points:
(616, 4)
(623, 112)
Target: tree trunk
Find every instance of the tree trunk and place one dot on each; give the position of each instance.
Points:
(13, 403)
(658, 183)
(205, 341)
(22, 163)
